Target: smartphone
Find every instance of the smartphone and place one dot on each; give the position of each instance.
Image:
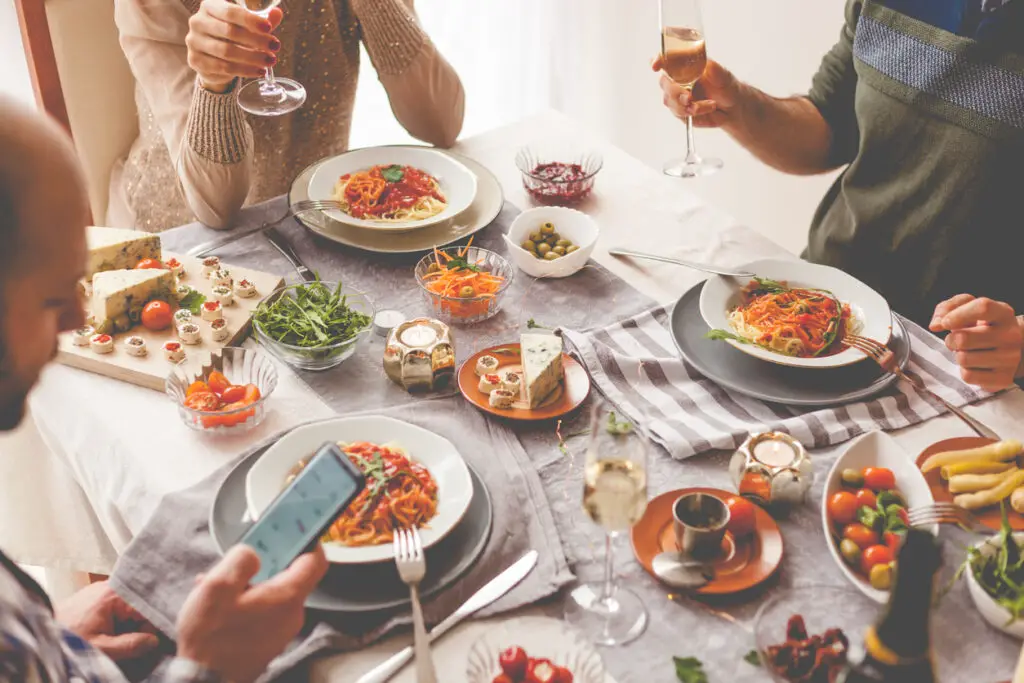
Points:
(304, 510)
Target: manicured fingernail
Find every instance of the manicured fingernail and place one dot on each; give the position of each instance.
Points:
(270, 59)
(266, 26)
(275, 44)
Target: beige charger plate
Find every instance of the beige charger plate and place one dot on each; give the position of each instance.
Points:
(484, 209)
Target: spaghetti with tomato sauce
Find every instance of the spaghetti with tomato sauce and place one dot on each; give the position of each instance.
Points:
(399, 493)
(390, 194)
(799, 322)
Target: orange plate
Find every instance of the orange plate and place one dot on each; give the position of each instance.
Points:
(990, 516)
(744, 564)
(570, 394)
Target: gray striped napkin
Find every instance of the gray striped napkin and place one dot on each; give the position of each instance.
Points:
(634, 363)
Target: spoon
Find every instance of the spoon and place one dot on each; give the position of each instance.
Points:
(714, 270)
(683, 572)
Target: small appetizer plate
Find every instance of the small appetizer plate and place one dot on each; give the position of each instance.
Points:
(569, 395)
(989, 516)
(744, 563)
(540, 638)
(994, 613)
(874, 449)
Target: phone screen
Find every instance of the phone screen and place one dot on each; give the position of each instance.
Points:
(304, 510)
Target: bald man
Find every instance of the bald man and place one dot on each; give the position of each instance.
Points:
(227, 630)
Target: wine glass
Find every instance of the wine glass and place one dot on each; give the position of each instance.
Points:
(614, 496)
(683, 58)
(269, 96)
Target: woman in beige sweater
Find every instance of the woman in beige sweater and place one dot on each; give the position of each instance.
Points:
(198, 156)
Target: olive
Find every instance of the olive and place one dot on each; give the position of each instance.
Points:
(880, 577)
(536, 237)
(563, 243)
(572, 248)
(547, 229)
(433, 268)
(467, 292)
(558, 250)
(553, 238)
(551, 256)
(543, 248)
(529, 245)
(850, 551)
(852, 478)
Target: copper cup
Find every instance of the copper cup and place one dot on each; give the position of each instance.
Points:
(699, 521)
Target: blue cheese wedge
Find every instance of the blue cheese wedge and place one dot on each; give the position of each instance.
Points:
(542, 365)
(118, 249)
(120, 295)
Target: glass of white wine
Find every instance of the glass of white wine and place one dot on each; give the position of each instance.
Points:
(269, 96)
(614, 496)
(683, 59)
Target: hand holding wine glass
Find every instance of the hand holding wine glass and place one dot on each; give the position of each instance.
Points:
(226, 42)
(710, 102)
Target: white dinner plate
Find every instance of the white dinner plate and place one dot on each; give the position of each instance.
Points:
(874, 449)
(722, 294)
(437, 454)
(458, 183)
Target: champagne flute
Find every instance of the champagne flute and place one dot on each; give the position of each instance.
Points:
(683, 58)
(614, 496)
(269, 96)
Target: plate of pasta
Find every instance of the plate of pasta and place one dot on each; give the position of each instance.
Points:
(394, 188)
(795, 313)
(414, 478)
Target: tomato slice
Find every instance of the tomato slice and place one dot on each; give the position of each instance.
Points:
(148, 263)
(252, 393)
(205, 401)
(218, 382)
(233, 394)
(196, 387)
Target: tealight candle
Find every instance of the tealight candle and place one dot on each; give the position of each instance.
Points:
(772, 469)
(775, 453)
(418, 335)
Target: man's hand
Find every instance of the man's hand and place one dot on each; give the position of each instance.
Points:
(712, 101)
(986, 337)
(235, 629)
(100, 616)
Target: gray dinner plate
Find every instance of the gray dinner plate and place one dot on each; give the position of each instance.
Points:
(745, 374)
(366, 588)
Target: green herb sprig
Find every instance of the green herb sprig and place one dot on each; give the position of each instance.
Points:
(690, 670)
(311, 316)
(393, 173)
(193, 302)
(617, 427)
(1001, 574)
(752, 658)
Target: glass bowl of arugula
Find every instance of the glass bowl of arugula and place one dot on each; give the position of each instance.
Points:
(995, 579)
(313, 325)
(464, 285)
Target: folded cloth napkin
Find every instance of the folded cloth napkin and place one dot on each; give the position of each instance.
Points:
(157, 570)
(635, 364)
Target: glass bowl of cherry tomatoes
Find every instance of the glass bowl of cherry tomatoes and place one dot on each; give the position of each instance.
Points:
(225, 390)
(533, 650)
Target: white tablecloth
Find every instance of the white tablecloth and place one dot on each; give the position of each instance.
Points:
(125, 447)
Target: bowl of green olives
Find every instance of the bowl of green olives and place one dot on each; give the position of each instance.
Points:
(551, 241)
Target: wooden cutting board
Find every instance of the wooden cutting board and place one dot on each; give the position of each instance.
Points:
(151, 370)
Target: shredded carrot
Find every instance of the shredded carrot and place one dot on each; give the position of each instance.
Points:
(448, 282)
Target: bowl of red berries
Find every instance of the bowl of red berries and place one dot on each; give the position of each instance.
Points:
(533, 650)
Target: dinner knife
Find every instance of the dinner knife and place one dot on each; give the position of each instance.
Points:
(495, 588)
(285, 247)
(703, 267)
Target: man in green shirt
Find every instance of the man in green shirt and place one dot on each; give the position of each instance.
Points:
(922, 102)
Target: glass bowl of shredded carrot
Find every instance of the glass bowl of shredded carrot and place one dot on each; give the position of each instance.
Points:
(464, 284)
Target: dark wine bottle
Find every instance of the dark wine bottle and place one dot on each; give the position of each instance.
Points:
(897, 649)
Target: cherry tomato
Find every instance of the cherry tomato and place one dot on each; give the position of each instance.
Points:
(879, 478)
(148, 263)
(203, 400)
(865, 498)
(196, 387)
(842, 508)
(876, 554)
(239, 417)
(861, 535)
(513, 662)
(904, 516)
(742, 520)
(541, 671)
(157, 315)
(502, 678)
(218, 382)
(892, 541)
(233, 394)
(564, 675)
(252, 394)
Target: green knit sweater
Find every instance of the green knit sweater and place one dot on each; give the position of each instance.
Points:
(932, 126)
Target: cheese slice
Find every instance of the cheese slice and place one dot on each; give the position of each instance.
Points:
(118, 249)
(118, 296)
(542, 365)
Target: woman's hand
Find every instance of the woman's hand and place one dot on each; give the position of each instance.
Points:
(711, 101)
(225, 41)
(986, 337)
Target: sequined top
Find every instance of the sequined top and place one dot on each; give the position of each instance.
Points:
(200, 157)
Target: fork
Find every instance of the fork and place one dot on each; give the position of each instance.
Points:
(883, 355)
(946, 513)
(412, 566)
(295, 209)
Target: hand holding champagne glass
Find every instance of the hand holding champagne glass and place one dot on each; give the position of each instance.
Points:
(614, 496)
(683, 59)
(269, 96)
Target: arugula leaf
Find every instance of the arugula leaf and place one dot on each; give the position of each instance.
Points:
(459, 263)
(617, 427)
(1001, 573)
(393, 173)
(193, 302)
(721, 335)
(311, 316)
(870, 518)
(769, 286)
(690, 670)
(532, 324)
(752, 658)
